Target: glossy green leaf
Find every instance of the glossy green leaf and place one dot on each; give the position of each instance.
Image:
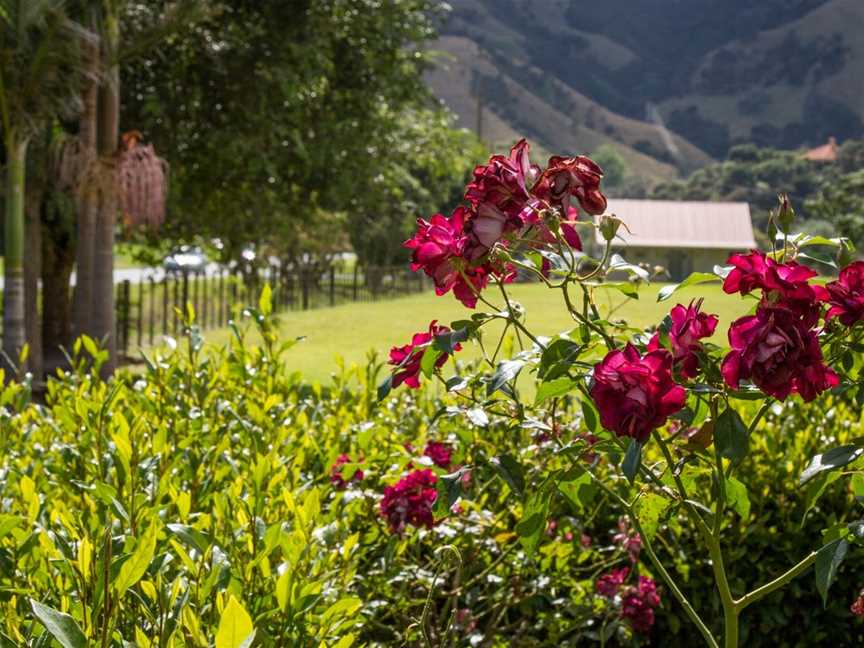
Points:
(830, 460)
(60, 625)
(695, 278)
(430, 357)
(134, 568)
(649, 509)
(511, 472)
(554, 389)
(632, 460)
(737, 498)
(730, 436)
(235, 627)
(506, 371)
(828, 561)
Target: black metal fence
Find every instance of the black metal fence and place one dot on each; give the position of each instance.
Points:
(148, 309)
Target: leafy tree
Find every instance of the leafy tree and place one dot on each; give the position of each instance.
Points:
(300, 112)
(754, 175)
(842, 203)
(614, 167)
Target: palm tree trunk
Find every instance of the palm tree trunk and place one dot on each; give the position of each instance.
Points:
(108, 127)
(13, 286)
(32, 270)
(82, 308)
(58, 259)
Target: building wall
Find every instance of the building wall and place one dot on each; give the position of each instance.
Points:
(678, 262)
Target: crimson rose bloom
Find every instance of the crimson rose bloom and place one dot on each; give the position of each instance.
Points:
(439, 453)
(638, 605)
(777, 351)
(410, 501)
(503, 183)
(635, 394)
(438, 248)
(578, 177)
(846, 294)
(689, 325)
(609, 584)
(407, 358)
(336, 472)
(783, 284)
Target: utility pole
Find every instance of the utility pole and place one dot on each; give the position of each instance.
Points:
(479, 117)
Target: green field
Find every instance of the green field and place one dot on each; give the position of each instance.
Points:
(351, 330)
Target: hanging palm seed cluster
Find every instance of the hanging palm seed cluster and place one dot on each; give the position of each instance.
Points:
(142, 178)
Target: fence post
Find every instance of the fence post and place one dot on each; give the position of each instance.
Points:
(304, 287)
(140, 332)
(221, 297)
(233, 302)
(127, 308)
(152, 283)
(165, 291)
(204, 299)
(354, 288)
(332, 285)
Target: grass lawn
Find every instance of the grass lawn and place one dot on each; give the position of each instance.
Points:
(351, 330)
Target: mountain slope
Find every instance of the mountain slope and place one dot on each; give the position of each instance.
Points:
(785, 73)
(574, 125)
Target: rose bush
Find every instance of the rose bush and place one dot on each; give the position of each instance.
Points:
(801, 341)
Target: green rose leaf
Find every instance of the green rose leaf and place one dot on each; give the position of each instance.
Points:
(828, 561)
(554, 388)
(649, 510)
(730, 435)
(695, 278)
(830, 460)
(511, 471)
(632, 460)
(506, 371)
(739, 500)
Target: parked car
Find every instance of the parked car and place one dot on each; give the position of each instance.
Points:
(186, 258)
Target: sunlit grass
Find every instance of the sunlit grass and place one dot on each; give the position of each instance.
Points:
(351, 331)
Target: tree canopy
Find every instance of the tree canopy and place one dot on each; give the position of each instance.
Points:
(280, 121)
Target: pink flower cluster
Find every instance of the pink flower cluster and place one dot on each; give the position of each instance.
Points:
(638, 602)
(439, 453)
(407, 359)
(778, 347)
(410, 501)
(336, 477)
(509, 199)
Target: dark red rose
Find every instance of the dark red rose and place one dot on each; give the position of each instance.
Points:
(410, 501)
(635, 394)
(336, 477)
(777, 351)
(578, 177)
(407, 358)
(503, 183)
(689, 325)
(439, 453)
(609, 584)
(784, 285)
(846, 294)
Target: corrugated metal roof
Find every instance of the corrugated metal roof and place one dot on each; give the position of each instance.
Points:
(683, 224)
